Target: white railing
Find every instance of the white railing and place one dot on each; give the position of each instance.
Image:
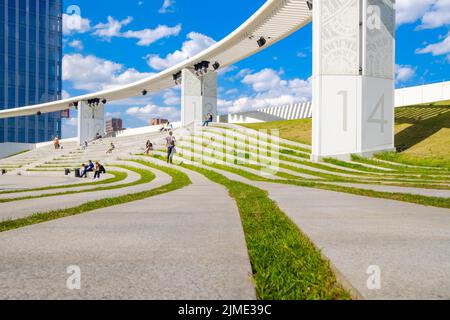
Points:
(285, 112)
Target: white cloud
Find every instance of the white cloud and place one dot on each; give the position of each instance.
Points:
(154, 111)
(404, 73)
(113, 115)
(432, 13)
(195, 44)
(72, 122)
(439, 48)
(76, 44)
(437, 16)
(241, 74)
(226, 70)
(149, 36)
(74, 23)
(172, 97)
(409, 11)
(167, 6)
(232, 91)
(93, 73)
(69, 127)
(269, 90)
(113, 28)
(264, 80)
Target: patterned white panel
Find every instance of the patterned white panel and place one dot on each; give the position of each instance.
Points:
(210, 84)
(380, 35)
(339, 37)
(198, 96)
(90, 122)
(191, 84)
(209, 106)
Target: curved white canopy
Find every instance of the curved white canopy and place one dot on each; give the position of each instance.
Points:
(275, 20)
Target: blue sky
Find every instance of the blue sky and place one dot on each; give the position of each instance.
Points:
(110, 43)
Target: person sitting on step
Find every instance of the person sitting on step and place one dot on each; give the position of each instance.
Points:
(112, 147)
(88, 168)
(148, 147)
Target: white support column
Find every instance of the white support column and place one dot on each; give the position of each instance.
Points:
(198, 96)
(353, 77)
(91, 120)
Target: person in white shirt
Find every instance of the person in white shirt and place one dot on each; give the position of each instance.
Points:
(170, 143)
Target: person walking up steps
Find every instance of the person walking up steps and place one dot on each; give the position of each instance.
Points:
(170, 143)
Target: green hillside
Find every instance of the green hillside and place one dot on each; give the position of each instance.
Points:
(422, 134)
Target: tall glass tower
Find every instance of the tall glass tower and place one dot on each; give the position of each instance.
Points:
(30, 66)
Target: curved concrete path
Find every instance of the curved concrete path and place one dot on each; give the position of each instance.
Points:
(15, 182)
(397, 189)
(409, 243)
(183, 245)
(24, 208)
(131, 177)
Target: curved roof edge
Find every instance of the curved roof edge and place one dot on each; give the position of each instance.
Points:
(275, 20)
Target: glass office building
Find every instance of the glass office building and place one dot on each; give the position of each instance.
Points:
(30, 66)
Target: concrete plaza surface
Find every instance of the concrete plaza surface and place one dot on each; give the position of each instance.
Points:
(181, 245)
(409, 243)
(27, 207)
(70, 181)
(15, 182)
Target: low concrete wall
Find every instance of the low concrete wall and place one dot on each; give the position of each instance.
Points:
(144, 130)
(8, 149)
(426, 94)
(50, 143)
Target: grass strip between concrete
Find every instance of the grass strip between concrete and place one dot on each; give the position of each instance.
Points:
(405, 197)
(286, 264)
(439, 202)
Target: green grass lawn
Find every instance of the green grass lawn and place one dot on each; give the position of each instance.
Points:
(422, 135)
(294, 130)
